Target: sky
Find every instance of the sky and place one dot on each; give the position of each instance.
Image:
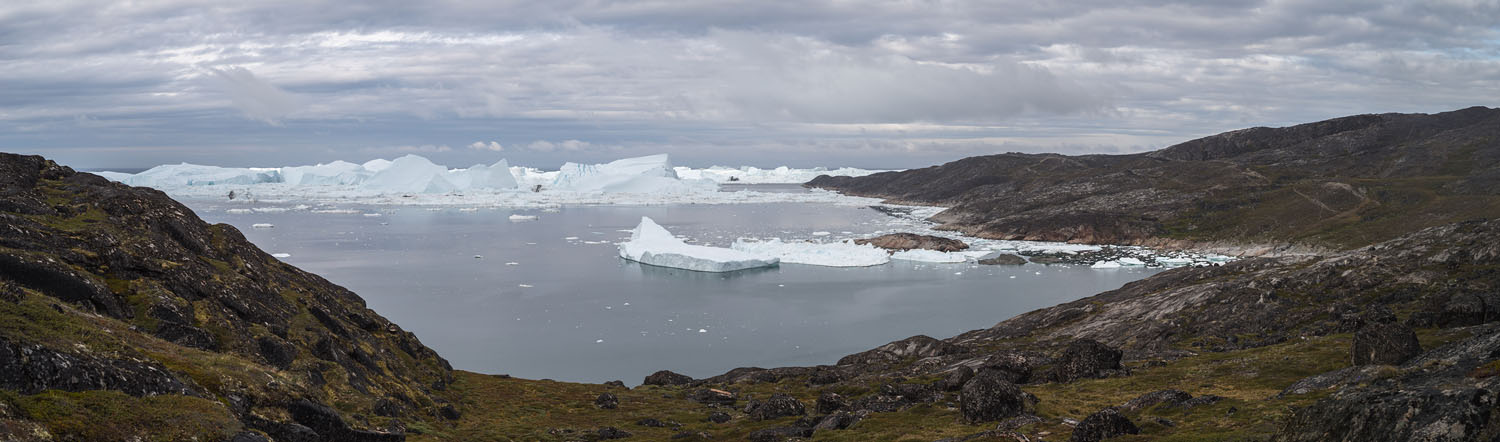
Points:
(876, 84)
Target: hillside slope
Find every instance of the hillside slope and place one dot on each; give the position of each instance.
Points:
(1340, 183)
(122, 310)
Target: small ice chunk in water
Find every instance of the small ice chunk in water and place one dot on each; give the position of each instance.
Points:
(262, 225)
(598, 341)
(702, 330)
(821, 233)
(524, 286)
(523, 217)
(281, 255)
(1106, 265)
(512, 263)
(478, 256)
(923, 255)
(1128, 261)
(373, 215)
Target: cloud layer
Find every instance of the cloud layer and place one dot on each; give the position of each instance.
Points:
(873, 84)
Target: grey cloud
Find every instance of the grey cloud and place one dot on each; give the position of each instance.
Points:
(255, 97)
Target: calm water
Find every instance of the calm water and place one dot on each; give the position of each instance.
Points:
(551, 298)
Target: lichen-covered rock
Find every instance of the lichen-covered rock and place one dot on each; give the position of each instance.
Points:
(713, 396)
(779, 434)
(1084, 359)
(612, 433)
(31, 369)
(1384, 344)
(666, 377)
(829, 402)
(1103, 424)
(1152, 399)
(607, 401)
(718, 417)
(837, 421)
(988, 397)
(778, 405)
(955, 379)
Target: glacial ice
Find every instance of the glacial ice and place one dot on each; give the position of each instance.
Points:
(479, 176)
(648, 174)
(924, 255)
(170, 175)
(410, 174)
(335, 173)
(837, 254)
(652, 244)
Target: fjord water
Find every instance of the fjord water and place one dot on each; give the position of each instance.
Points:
(550, 298)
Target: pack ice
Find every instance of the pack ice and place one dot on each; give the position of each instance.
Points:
(652, 244)
(836, 254)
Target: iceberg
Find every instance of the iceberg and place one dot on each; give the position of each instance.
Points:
(479, 176)
(411, 174)
(648, 174)
(651, 244)
(1106, 265)
(337, 172)
(1130, 262)
(925, 255)
(197, 175)
(838, 254)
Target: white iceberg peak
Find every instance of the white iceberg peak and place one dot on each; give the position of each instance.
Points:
(652, 244)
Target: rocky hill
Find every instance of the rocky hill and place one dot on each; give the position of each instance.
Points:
(121, 311)
(1338, 184)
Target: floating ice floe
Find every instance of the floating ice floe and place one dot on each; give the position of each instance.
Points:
(653, 245)
(838, 254)
(1106, 265)
(262, 226)
(523, 217)
(924, 255)
(281, 255)
(1130, 262)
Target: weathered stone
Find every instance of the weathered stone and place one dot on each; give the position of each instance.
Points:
(956, 379)
(779, 434)
(718, 417)
(837, 421)
(607, 401)
(778, 405)
(829, 402)
(988, 397)
(1152, 399)
(612, 433)
(1385, 344)
(1086, 358)
(666, 377)
(713, 396)
(919, 346)
(1102, 425)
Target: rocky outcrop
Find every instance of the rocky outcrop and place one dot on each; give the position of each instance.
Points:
(1443, 395)
(1152, 399)
(778, 405)
(909, 241)
(1340, 183)
(1003, 260)
(122, 288)
(666, 377)
(919, 346)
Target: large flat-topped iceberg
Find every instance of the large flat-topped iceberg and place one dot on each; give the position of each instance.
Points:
(185, 174)
(652, 244)
(649, 174)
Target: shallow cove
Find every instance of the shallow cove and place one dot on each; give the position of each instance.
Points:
(569, 308)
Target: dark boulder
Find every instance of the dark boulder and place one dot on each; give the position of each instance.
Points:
(1084, 359)
(1003, 260)
(823, 377)
(617, 384)
(778, 405)
(1105, 424)
(718, 417)
(908, 241)
(1384, 344)
(651, 422)
(779, 434)
(607, 401)
(31, 369)
(1152, 399)
(829, 402)
(449, 412)
(955, 379)
(713, 396)
(837, 421)
(612, 433)
(277, 353)
(666, 377)
(329, 426)
(879, 403)
(988, 397)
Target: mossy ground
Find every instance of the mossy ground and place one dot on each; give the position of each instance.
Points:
(502, 408)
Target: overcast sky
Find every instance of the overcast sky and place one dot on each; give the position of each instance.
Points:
(892, 84)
